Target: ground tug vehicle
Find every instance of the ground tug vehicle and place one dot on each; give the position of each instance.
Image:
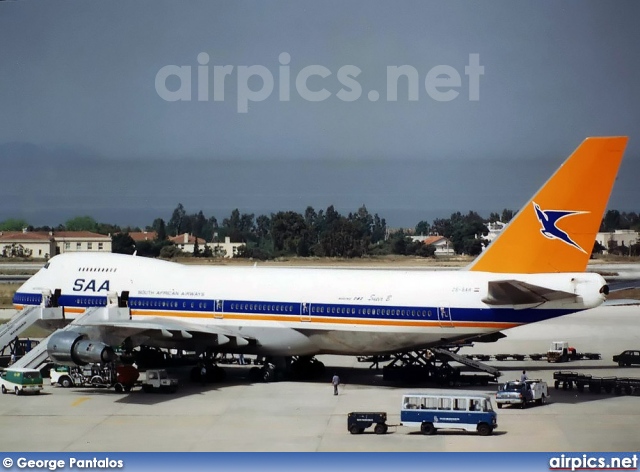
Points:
(522, 393)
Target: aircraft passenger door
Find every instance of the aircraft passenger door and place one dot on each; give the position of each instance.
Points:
(444, 315)
(305, 312)
(218, 309)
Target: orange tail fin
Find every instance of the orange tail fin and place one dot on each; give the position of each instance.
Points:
(555, 231)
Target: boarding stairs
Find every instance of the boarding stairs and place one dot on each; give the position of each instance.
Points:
(35, 358)
(26, 318)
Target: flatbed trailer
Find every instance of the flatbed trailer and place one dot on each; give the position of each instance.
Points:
(567, 380)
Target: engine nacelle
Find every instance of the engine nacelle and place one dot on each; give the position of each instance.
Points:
(71, 348)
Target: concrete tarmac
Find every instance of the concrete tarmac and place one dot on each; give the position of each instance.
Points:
(238, 415)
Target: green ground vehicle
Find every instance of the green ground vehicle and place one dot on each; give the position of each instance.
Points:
(21, 380)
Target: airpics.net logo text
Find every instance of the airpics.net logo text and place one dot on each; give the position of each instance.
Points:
(256, 83)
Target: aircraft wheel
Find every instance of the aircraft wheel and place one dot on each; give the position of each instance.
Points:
(254, 374)
(268, 374)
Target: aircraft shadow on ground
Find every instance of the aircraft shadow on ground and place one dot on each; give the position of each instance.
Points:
(355, 376)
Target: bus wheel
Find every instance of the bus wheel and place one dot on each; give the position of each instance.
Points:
(66, 382)
(427, 428)
(4, 389)
(17, 390)
(484, 429)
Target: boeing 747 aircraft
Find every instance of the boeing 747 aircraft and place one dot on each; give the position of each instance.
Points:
(533, 271)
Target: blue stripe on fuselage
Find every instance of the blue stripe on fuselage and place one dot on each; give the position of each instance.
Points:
(297, 309)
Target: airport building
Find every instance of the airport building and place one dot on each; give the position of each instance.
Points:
(619, 237)
(27, 244)
(443, 246)
(43, 245)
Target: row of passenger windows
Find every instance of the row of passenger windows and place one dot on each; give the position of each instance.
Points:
(166, 304)
(28, 299)
(369, 311)
(91, 301)
(251, 307)
(262, 307)
(455, 404)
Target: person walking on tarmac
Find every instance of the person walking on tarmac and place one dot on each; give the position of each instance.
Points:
(335, 381)
(203, 374)
(524, 376)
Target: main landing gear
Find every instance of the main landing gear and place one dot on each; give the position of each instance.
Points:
(297, 367)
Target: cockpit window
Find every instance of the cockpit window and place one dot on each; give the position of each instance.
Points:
(46, 266)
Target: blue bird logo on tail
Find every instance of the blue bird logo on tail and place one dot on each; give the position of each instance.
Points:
(549, 219)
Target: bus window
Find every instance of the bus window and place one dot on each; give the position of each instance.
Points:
(460, 404)
(444, 404)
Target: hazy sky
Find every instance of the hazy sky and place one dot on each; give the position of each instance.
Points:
(496, 95)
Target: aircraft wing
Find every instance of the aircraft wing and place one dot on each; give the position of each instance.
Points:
(516, 292)
(160, 332)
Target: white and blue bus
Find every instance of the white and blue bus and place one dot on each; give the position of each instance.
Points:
(468, 411)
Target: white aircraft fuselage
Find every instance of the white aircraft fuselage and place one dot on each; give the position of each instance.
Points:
(303, 311)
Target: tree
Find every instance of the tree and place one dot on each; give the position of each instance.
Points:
(462, 230)
(196, 249)
(597, 248)
(122, 243)
(507, 215)
(207, 251)
(199, 223)
(611, 221)
(422, 228)
(426, 250)
(176, 223)
(263, 227)
(160, 229)
(16, 250)
(13, 224)
(170, 252)
(81, 223)
(107, 228)
(239, 227)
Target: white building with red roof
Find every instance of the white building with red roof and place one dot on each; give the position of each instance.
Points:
(39, 245)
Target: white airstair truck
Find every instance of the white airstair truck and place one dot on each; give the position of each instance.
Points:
(70, 346)
(47, 314)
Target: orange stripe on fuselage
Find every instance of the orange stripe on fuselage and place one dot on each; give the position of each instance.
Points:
(326, 320)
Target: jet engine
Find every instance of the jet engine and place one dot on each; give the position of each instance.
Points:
(71, 348)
